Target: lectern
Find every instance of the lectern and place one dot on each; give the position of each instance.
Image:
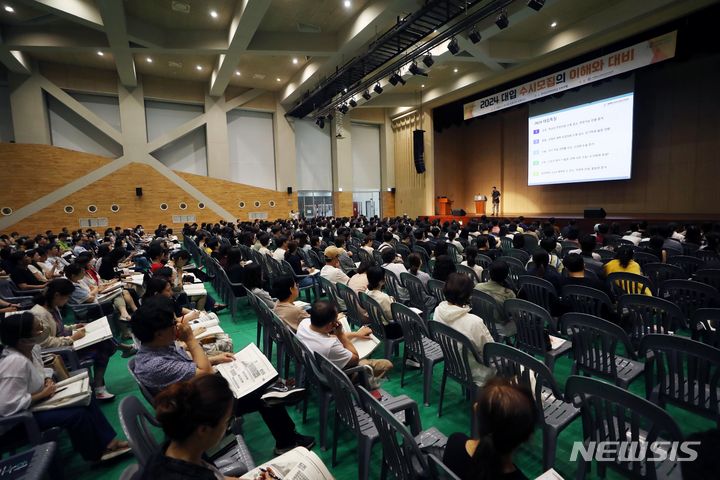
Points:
(445, 206)
(480, 201)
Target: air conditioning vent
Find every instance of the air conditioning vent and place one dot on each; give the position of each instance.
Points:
(182, 7)
(308, 28)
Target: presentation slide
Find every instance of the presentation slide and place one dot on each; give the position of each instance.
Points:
(586, 143)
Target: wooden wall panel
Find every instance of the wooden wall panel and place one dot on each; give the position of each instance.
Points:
(343, 204)
(387, 202)
(676, 140)
(414, 192)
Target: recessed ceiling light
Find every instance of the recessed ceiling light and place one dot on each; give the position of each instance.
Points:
(213, 14)
(455, 70)
(278, 79)
(9, 9)
(295, 61)
(553, 25)
(422, 86)
(348, 4)
(237, 73)
(198, 67)
(100, 53)
(148, 60)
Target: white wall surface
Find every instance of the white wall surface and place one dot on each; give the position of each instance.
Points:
(252, 150)
(365, 156)
(313, 154)
(186, 154)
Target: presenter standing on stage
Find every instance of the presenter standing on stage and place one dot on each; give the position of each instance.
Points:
(495, 202)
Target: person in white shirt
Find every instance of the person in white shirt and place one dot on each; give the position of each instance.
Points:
(455, 312)
(323, 334)
(367, 244)
(264, 240)
(395, 265)
(415, 262)
(54, 259)
(359, 282)
(331, 270)
(376, 282)
(279, 253)
(472, 253)
(387, 241)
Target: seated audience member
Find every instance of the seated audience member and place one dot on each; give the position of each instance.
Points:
(160, 362)
(194, 416)
(455, 312)
(587, 247)
(24, 382)
(368, 244)
(40, 266)
(415, 262)
(623, 262)
(236, 270)
(393, 264)
(322, 333)
(576, 275)
(444, 266)
(506, 415)
(282, 247)
(655, 246)
(472, 253)
(497, 287)
(254, 284)
(331, 271)
(295, 260)
(286, 291)
(420, 241)
(550, 245)
(264, 240)
(124, 304)
(387, 237)
(540, 268)
(346, 261)
(21, 275)
(115, 260)
(83, 295)
(376, 282)
(359, 282)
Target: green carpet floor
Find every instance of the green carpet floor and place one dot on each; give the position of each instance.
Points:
(455, 418)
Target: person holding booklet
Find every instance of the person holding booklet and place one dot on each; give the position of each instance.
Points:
(24, 383)
(286, 291)
(125, 304)
(161, 363)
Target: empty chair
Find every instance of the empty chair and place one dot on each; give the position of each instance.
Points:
(418, 346)
(469, 272)
(643, 315)
(683, 372)
(705, 326)
(533, 324)
(581, 299)
(621, 283)
(708, 276)
(595, 344)
(689, 264)
(643, 258)
(529, 372)
(419, 297)
(355, 314)
(659, 272)
(690, 295)
(487, 308)
(612, 414)
(436, 288)
(377, 325)
(538, 291)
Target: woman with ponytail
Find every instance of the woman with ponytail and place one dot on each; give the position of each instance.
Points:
(623, 262)
(194, 416)
(506, 415)
(540, 267)
(472, 253)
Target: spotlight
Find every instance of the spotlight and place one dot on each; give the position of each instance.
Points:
(474, 35)
(428, 60)
(378, 89)
(366, 95)
(352, 103)
(343, 109)
(415, 70)
(453, 46)
(329, 117)
(320, 122)
(395, 78)
(502, 21)
(536, 4)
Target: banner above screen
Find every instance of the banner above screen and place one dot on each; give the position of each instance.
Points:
(640, 55)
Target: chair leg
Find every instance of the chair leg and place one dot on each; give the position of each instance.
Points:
(549, 448)
(442, 393)
(550, 362)
(364, 451)
(427, 381)
(402, 370)
(324, 410)
(335, 441)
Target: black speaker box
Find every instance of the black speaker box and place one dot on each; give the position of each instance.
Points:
(459, 213)
(289, 190)
(419, 150)
(595, 212)
(138, 191)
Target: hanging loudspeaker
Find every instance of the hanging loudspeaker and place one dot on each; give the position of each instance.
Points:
(419, 150)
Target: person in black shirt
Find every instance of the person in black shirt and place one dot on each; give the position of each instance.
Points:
(21, 275)
(506, 416)
(576, 274)
(495, 201)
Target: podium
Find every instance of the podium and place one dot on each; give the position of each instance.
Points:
(444, 206)
(480, 201)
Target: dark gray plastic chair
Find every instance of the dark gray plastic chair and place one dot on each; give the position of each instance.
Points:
(376, 315)
(538, 291)
(437, 290)
(364, 256)
(690, 295)
(487, 308)
(611, 414)
(711, 259)
(393, 286)
(483, 260)
(621, 283)
(147, 394)
(582, 299)
(533, 322)
(645, 315)
(439, 470)
(534, 375)
(271, 325)
(683, 372)
(705, 326)
(468, 272)
(37, 462)
(689, 264)
(425, 258)
(419, 297)
(520, 254)
(355, 313)
(660, 272)
(331, 291)
(595, 344)
(708, 276)
(643, 258)
(418, 346)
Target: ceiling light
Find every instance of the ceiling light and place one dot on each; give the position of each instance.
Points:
(428, 60)
(348, 4)
(553, 25)
(9, 9)
(343, 109)
(378, 89)
(536, 4)
(474, 35)
(453, 46)
(352, 103)
(148, 60)
(366, 95)
(278, 79)
(100, 53)
(422, 86)
(213, 14)
(320, 122)
(455, 70)
(237, 73)
(198, 67)
(502, 20)
(415, 70)
(295, 61)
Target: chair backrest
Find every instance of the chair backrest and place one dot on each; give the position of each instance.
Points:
(331, 291)
(344, 393)
(708, 256)
(605, 255)
(689, 264)
(403, 250)
(531, 321)
(643, 258)
(647, 315)
(487, 308)
(684, 372)
(539, 291)
(309, 363)
(506, 244)
(364, 255)
(439, 470)
(512, 261)
(521, 255)
(143, 389)
(659, 272)
(136, 421)
(621, 283)
(595, 343)
(705, 325)
(317, 262)
(708, 276)
(454, 253)
(457, 350)
(424, 256)
(522, 369)
(483, 260)
(375, 314)
(468, 272)
(582, 299)
(354, 310)
(392, 285)
(415, 288)
(531, 243)
(401, 453)
(690, 295)
(413, 328)
(437, 289)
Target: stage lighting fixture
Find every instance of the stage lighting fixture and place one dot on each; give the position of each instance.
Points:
(502, 21)
(366, 95)
(352, 103)
(329, 117)
(428, 60)
(394, 79)
(343, 109)
(378, 89)
(415, 70)
(474, 35)
(320, 122)
(453, 46)
(536, 4)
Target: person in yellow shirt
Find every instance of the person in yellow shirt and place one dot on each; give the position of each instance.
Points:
(623, 262)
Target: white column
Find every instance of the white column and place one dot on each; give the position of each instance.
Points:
(29, 113)
(216, 134)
